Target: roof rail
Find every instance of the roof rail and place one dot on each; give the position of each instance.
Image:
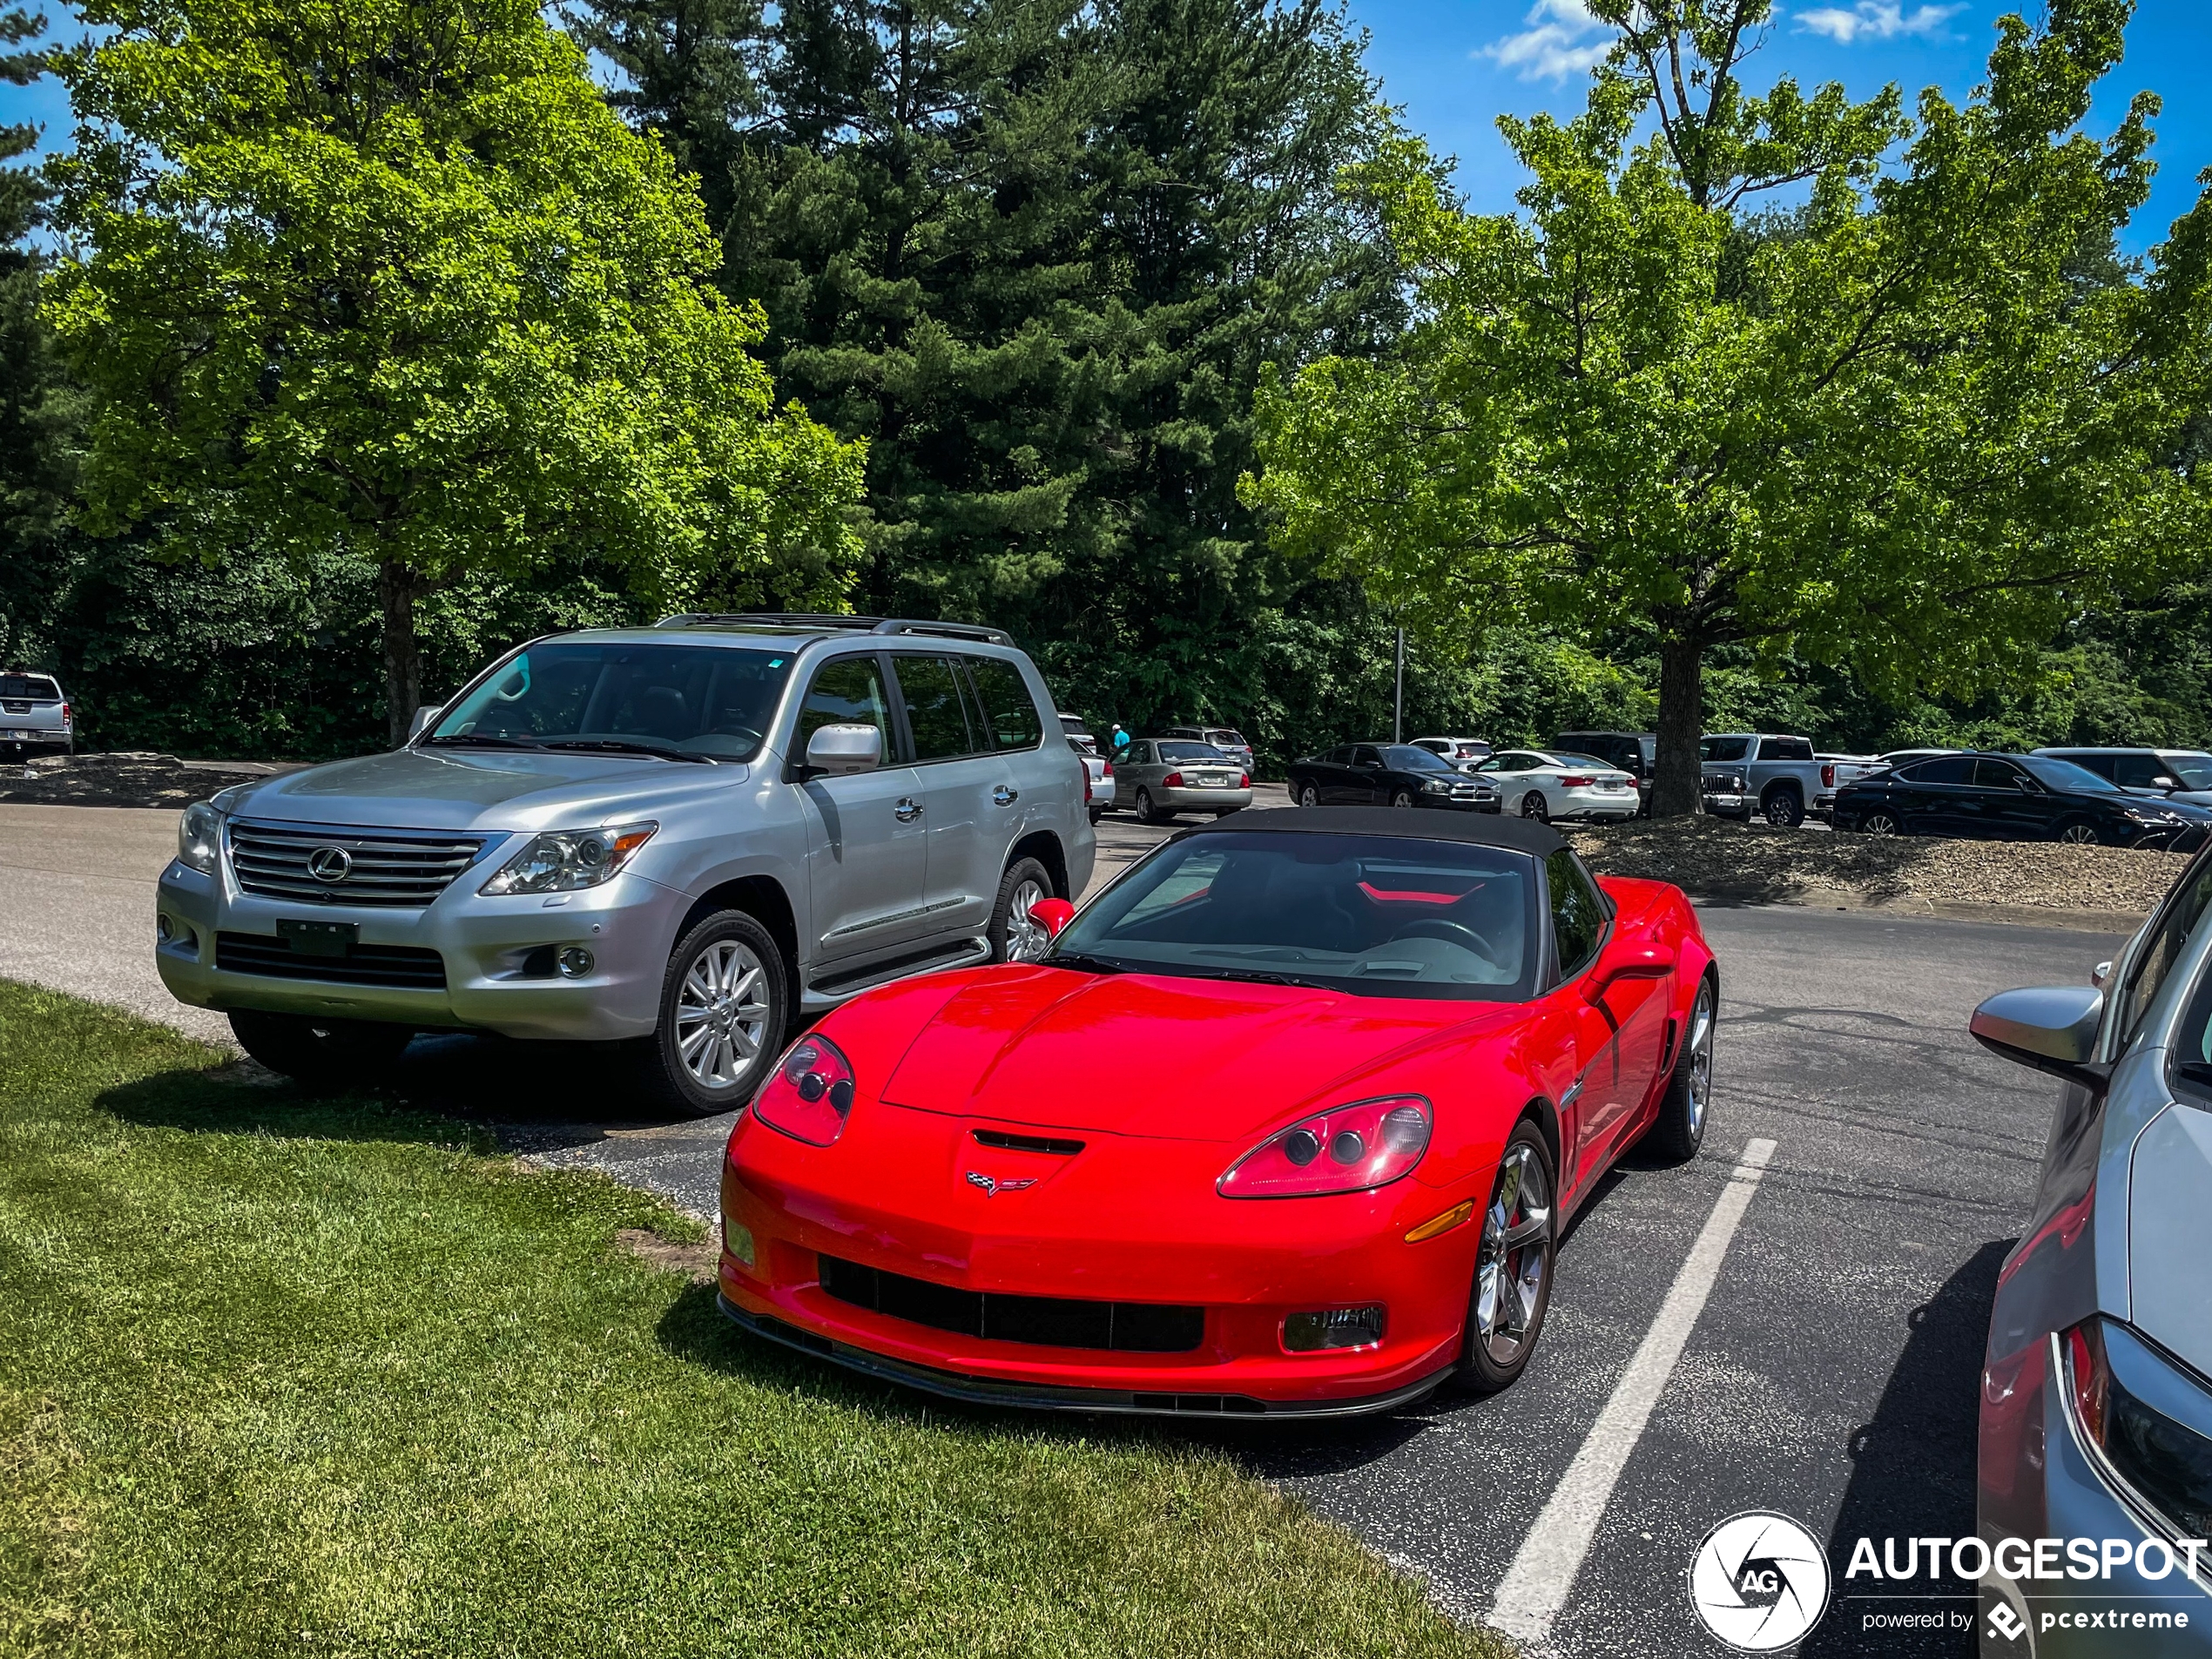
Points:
(822, 619)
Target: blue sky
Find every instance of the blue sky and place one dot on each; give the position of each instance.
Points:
(1456, 64)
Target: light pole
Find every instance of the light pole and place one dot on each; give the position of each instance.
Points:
(1398, 708)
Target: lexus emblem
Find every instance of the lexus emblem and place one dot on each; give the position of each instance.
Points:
(977, 1178)
(330, 865)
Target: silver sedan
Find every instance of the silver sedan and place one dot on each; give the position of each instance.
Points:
(1163, 776)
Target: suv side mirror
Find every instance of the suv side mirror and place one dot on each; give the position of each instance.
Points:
(2165, 782)
(423, 717)
(2051, 1029)
(840, 750)
(1052, 915)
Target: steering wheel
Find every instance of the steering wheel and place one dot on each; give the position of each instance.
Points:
(1457, 932)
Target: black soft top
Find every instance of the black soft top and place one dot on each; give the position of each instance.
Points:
(1481, 829)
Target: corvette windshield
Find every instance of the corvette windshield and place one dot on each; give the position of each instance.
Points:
(1374, 915)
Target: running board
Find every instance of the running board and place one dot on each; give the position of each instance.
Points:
(964, 954)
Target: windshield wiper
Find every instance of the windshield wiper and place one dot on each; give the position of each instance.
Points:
(1081, 963)
(1255, 976)
(622, 746)
(484, 739)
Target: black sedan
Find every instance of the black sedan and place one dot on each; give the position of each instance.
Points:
(1387, 774)
(2013, 798)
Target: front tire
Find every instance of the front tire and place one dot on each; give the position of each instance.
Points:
(1782, 808)
(724, 1001)
(1401, 798)
(1308, 795)
(1016, 935)
(1533, 805)
(1513, 1265)
(1679, 1129)
(322, 1053)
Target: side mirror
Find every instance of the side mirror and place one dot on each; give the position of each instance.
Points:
(2169, 784)
(1643, 964)
(1052, 915)
(2051, 1029)
(840, 750)
(2100, 975)
(423, 717)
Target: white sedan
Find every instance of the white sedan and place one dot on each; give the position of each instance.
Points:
(1543, 787)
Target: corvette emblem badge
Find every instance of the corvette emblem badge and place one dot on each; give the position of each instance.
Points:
(977, 1178)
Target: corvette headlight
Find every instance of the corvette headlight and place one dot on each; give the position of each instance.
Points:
(563, 860)
(1347, 1148)
(200, 838)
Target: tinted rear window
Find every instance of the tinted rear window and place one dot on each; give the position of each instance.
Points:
(1009, 716)
(1785, 749)
(36, 687)
(1725, 748)
(1191, 751)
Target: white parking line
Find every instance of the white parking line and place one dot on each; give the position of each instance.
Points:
(1537, 1586)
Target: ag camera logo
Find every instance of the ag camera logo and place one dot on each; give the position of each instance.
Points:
(1759, 1582)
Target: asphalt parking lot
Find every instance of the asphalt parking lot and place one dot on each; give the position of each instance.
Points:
(1832, 1372)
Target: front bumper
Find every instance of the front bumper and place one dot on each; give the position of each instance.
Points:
(891, 1194)
(483, 943)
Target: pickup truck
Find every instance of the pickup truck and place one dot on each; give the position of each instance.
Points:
(1778, 777)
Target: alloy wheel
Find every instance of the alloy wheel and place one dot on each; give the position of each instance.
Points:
(722, 1013)
(1515, 1256)
(1701, 1058)
(1879, 824)
(1309, 796)
(1401, 798)
(1532, 806)
(1027, 940)
(2078, 834)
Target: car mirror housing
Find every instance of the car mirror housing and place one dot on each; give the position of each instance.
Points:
(1052, 915)
(423, 717)
(1643, 964)
(840, 750)
(2049, 1027)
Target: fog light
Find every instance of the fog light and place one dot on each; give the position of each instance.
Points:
(1334, 1328)
(575, 962)
(737, 1238)
(162, 930)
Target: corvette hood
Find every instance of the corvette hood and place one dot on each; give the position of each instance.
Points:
(1136, 1054)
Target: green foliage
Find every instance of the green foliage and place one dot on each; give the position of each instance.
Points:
(1036, 256)
(287, 1375)
(391, 282)
(1895, 431)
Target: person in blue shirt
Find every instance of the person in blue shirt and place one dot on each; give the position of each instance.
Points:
(1121, 739)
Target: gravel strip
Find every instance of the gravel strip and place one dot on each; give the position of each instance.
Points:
(122, 779)
(1756, 863)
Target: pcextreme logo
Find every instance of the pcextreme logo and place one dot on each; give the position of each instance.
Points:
(1759, 1582)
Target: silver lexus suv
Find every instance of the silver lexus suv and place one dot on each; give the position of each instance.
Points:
(682, 839)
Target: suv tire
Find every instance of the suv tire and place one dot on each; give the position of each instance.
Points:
(1014, 937)
(724, 1002)
(1781, 807)
(322, 1053)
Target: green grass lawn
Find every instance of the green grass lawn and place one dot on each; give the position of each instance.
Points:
(298, 1376)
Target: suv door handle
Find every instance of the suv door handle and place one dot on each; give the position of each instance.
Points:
(907, 810)
(1005, 797)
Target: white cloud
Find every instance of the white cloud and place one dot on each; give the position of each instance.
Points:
(1561, 39)
(1875, 20)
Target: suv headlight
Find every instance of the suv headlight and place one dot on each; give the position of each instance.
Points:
(200, 838)
(563, 860)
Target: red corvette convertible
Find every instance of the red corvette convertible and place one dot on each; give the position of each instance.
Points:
(1285, 1122)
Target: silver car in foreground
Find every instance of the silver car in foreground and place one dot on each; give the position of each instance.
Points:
(1164, 776)
(682, 839)
(2096, 1399)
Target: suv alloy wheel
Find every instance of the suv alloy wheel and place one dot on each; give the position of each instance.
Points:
(724, 1001)
(1016, 935)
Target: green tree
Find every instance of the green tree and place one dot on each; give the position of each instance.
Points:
(39, 411)
(1897, 429)
(389, 281)
(1036, 256)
